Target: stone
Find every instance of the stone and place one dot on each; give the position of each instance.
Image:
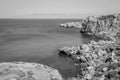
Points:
(72, 25)
(68, 51)
(92, 18)
(27, 71)
(85, 47)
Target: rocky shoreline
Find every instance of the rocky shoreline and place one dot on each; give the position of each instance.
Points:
(96, 60)
(106, 26)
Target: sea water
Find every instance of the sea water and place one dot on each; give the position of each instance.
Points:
(37, 40)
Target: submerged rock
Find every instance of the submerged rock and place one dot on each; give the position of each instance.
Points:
(27, 71)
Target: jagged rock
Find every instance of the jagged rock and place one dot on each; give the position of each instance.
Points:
(27, 71)
(68, 51)
(72, 25)
(95, 58)
(68, 25)
(92, 18)
(99, 26)
(104, 26)
(85, 47)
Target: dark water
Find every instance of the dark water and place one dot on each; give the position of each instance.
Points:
(38, 41)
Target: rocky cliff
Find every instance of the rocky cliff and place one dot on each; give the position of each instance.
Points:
(106, 26)
(27, 71)
(97, 60)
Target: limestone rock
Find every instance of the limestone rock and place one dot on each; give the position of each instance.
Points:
(94, 59)
(99, 26)
(92, 18)
(85, 47)
(27, 71)
(97, 60)
(68, 51)
(72, 25)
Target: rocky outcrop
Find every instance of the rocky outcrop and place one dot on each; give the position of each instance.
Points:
(27, 71)
(95, 60)
(71, 25)
(100, 26)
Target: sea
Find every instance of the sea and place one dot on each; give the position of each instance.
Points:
(37, 40)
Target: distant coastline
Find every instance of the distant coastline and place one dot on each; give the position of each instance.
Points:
(56, 15)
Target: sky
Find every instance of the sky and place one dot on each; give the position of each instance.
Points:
(56, 8)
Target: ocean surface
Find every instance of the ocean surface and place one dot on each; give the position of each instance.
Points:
(37, 40)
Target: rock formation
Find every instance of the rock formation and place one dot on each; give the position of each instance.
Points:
(100, 26)
(97, 60)
(94, 60)
(71, 25)
(27, 71)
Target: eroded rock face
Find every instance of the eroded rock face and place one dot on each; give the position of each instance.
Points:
(100, 26)
(27, 71)
(106, 27)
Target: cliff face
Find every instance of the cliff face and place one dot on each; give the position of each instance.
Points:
(103, 26)
(27, 71)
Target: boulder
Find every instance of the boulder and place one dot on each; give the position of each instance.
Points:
(85, 47)
(68, 51)
(27, 71)
(92, 18)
